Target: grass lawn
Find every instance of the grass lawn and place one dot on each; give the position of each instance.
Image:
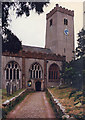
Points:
(4, 94)
(72, 105)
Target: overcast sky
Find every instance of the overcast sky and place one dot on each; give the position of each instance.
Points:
(32, 30)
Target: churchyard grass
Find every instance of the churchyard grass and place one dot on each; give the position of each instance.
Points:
(5, 97)
(71, 101)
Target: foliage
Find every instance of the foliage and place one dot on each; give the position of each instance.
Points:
(68, 74)
(11, 43)
(80, 50)
(74, 73)
(21, 8)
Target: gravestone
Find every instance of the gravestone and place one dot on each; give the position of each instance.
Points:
(8, 89)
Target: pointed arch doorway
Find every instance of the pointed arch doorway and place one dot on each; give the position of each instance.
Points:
(38, 86)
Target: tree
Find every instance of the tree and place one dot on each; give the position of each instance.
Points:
(68, 74)
(11, 43)
(80, 50)
(72, 73)
(20, 8)
(80, 53)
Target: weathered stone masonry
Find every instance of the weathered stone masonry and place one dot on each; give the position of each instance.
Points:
(46, 58)
(38, 68)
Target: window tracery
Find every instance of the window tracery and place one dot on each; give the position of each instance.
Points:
(36, 71)
(53, 72)
(13, 76)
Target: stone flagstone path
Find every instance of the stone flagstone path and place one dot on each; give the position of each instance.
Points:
(34, 105)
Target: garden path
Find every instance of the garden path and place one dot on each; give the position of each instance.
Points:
(34, 105)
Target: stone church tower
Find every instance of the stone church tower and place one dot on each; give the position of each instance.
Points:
(60, 31)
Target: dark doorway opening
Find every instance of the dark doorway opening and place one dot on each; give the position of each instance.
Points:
(38, 86)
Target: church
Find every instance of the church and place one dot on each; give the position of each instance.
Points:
(37, 68)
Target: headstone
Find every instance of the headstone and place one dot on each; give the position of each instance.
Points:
(8, 89)
(12, 88)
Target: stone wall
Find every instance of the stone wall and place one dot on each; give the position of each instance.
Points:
(25, 60)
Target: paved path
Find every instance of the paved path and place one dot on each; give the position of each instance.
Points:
(33, 106)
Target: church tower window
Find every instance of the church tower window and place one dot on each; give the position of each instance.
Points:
(51, 22)
(65, 21)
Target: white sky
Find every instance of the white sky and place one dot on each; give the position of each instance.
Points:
(31, 30)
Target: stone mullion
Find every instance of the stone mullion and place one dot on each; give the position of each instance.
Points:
(5, 75)
(12, 74)
(20, 78)
(16, 78)
(19, 74)
(38, 73)
(5, 78)
(32, 74)
(12, 80)
(11, 87)
(9, 73)
(35, 73)
(41, 73)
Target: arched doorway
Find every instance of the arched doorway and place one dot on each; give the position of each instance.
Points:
(38, 86)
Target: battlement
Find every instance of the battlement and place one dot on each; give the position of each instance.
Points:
(60, 9)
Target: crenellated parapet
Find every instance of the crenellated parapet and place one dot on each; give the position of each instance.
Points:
(60, 9)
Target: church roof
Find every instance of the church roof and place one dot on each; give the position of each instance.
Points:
(37, 49)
